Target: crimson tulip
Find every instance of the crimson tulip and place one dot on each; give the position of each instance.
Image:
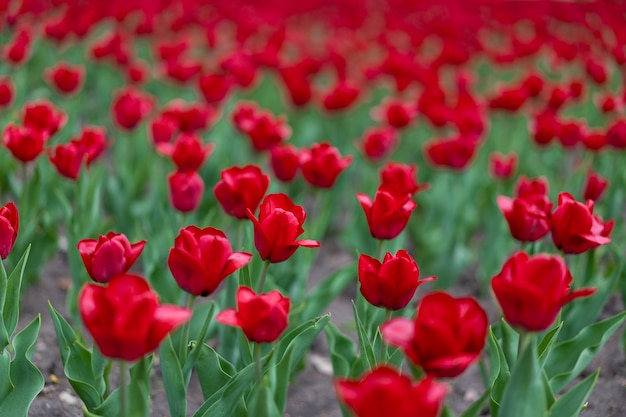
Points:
(616, 134)
(389, 213)
(125, 318)
(390, 284)
(261, 317)
(92, 142)
(377, 143)
(162, 129)
(445, 337)
(185, 190)
(277, 228)
(455, 153)
(595, 186)
(502, 166)
(394, 113)
(202, 258)
(25, 143)
(341, 96)
(66, 78)
(384, 391)
(67, 159)
(109, 256)
(241, 189)
(402, 177)
(7, 91)
(532, 290)
(44, 117)
(130, 106)
(190, 117)
(574, 227)
(214, 87)
(285, 162)
(322, 164)
(188, 152)
(9, 226)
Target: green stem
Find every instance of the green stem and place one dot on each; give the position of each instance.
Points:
(587, 278)
(184, 335)
(258, 369)
(193, 355)
(524, 340)
(383, 345)
(266, 266)
(123, 390)
(240, 226)
(379, 252)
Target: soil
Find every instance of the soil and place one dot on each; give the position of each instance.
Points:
(312, 392)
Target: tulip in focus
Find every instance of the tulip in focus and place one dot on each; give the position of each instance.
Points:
(389, 213)
(9, 226)
(125, 318)
(109, 256)
(241, 189)
(261, 317)
(532, 290)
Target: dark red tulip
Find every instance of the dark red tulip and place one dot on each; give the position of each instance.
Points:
(241, 189)
(162, 129)
(389, 284)
(285, 162)
(502, 166)
(25, 143)
(67, 159)
(533, 84)
(384, 391)
(66, 78)
(402, 177)
(616, 134)
(7, 91)
(595, 186)
(9, 227)
(202, 258)
(214, 87)
(455, 153)
(389, 213)
(109, 256)
(188, 152)
(594, 141)
(261, 317)
(277, 228)
(378, 142)
(341, 96)
(296, 82)
(511, 99)
(92, 142)
(445, 337)
(130, 107)
(190, 117)
(394, 113)
(532, 290)
(545, 127)
(185, 189)
(571, 134)
(18, 49)
(322, 164)
(44, 117)
(528, 214)
(125, 318)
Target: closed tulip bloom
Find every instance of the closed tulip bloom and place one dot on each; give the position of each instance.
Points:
(130, 106)
(261, 317)
(202, 258)
(66, 78)
(92, 141)
(67, 159)
(285, 162)
(241, 189)
(18, 49)
(266, 131)
(392, 283)
(502, 166)
(384, 391)
(455, 153)
(185, 189)
(322, 164)
(545, 127)
(532, 290)
(7, 91)
(277, 228)
(528, 218)
(378, 143)
(445, 337)
(188, 152)
(125, 318)
(109, 256)
(44, 117)
(402, 177)
(595, 186)
(162, 130)
(389, 213)
(574, 227)
(9, 226)
(190, 117)
(395, 113)
(215, 87)
(297, 85)
(341, 96)
(25, 143)
(616, 134)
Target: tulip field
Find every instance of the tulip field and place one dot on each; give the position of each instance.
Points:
(231, 208)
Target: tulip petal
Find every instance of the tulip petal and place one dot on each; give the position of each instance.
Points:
(398, 332)
(228, 317)
(236, 260)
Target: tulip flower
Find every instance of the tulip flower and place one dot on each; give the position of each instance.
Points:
(67, 159)
(502, 166)
(285, 162)
(109, 256)
(532, 290)
(185, 190)
(18, 49)
(44, 117)
(241, 189)
(395, 113)
(277, 228)
(455, 153)
(392, 283)
(595, 186)
(25, 143)
(125, 318)
(130, 106)
(445, 337)
(7, 92)
(384, 391)
(574, 227)
(64, 77)
(9, 226)
(402, 177)
(162, 129)
(322, 164)
(189, 117)
(265, 131)
(297, 85)
(202, 258)
(188, 152)
(377, 143)
(214, 87)
(341, 96)
(545, 127)
(261, 317)
(616, 134)
(92, 142)
(389, 213)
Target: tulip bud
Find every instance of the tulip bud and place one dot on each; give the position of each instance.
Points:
(9, 226)
(186, 189)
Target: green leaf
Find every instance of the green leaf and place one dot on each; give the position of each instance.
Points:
(547, 342)
(139, 388)
(328, 290)
(214, 372)
(367, 350)
(499, 373)
(11, 310)
(568, 358)
(77, 363)
(342, 350)
(572, 402)
(26, 378)
(510, 341)
(173, 381)
(526, 383)
(4, 335)
(5, 377)
(262, 401)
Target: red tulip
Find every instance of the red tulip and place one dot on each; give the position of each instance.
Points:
(64, 77)
(532, 290)
(533, 84)
(92, 142)
(186, 189)
(109, 256)
(214, 87)
(389, 213)
(44, 117)
(596, 71)
(594, 141)
(616, 134)
(9, 226)
(285, 161)
(18, 49)
(378, 142)
(595, 186)
(445, 337)
(392, 283)
(202, 258)
(453, 153)
(162, 129)
(190, 117)
(341, 96)
(125, 318)
(574, 227)
(67, 159)
(188, 152)
(322, 164)
(395, 113)
(262, 128)
(261, 317)
(241, 189)
(528, 218)
(130, 106)
(502, 166)
(296, 82)
(24, 143)
(7, 91)
(277, 228)
(402, 177)
(384, 391)
(545, 128)
(571, 134)
(511, 99)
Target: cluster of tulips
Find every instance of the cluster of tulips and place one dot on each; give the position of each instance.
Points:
(319, 113)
